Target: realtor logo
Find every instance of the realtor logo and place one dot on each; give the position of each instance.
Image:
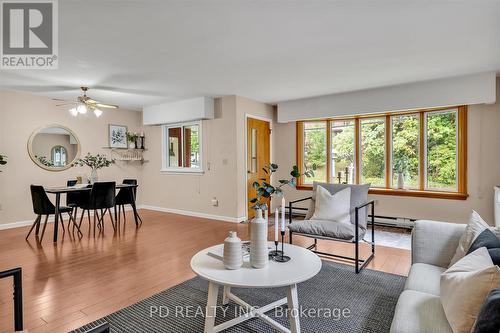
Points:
(29, 34)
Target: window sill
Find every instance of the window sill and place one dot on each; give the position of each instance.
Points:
(407, 193)
(180, 171)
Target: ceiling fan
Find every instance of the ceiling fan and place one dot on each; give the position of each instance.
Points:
(85, 103)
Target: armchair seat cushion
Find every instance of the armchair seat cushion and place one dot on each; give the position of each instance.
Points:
(329, 229)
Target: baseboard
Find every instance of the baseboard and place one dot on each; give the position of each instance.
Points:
(196, 214)
(19, 224)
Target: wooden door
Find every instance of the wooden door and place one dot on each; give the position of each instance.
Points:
(258, 155)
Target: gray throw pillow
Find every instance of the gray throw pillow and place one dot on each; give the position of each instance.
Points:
(488, 320)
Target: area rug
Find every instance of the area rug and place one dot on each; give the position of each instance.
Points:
(335, 300)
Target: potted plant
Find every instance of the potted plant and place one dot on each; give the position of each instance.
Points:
(400, 167)
(3, 160)
(132, 139)
(95, 162)
(258, 227)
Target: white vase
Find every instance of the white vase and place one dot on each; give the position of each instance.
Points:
(401, 181)
(93, 176)
(233, 257)
(131, 145)
(259, 254)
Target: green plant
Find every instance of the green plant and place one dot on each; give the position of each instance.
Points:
(95, 162)
(45, 161)
(3, 160)
(266, 190)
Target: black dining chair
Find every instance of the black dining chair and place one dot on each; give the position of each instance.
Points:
(42, 206)
(101, 199)
(76, 199)
(125, 197)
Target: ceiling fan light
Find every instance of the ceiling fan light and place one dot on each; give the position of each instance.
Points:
(74, 112)
(97, 113)
(82, 108)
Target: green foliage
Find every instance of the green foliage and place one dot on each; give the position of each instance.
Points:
(45, 161)
(3, 160)
(94, 161)
(131, 137)
(373, 149)
(441, 150)
(315, 147)
(266, 190)
(405, 156)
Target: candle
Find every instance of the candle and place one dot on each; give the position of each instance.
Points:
(265, 215)
(283, 214)
(276, 224)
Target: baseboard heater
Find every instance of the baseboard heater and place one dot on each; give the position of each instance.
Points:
(386, 221)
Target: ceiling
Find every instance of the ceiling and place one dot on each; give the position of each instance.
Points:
(138, 53)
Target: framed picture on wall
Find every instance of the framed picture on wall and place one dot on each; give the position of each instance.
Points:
(117, 136)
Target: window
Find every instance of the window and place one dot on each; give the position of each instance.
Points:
(59, 154)
(182, 147)
(426, 149)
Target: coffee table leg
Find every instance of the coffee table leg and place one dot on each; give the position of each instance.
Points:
(225, 295)
(293, 307)
(213, 291)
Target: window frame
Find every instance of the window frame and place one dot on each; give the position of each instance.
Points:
(459, 194)
(165, 148)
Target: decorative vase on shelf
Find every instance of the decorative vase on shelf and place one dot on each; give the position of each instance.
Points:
(401, 181)
(259, 255)
(131, 145)
(93, 176)
(232, 257)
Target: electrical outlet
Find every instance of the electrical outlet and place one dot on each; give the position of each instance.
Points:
(215, 202)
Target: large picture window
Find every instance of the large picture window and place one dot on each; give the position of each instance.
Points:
(426, 149)
(182, 147)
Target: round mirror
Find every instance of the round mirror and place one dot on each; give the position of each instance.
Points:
(54, 147)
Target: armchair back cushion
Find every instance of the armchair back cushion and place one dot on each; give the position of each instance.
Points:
(359, 196)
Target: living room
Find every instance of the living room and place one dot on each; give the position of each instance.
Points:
(249, 166)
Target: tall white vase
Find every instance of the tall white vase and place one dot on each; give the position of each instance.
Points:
(93, 176)
(259, 254)
(401, 181)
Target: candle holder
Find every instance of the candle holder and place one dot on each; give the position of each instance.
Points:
(281, 257)
(275, 252)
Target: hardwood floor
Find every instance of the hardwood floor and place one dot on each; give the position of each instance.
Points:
(73, 282)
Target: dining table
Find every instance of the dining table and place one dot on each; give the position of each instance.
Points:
(84, 188)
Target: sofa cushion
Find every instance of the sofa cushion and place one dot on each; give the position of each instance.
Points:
(418, 312)
(424, 278)
(464, 287)
(490, 241)
(324, 228)
(359, 196)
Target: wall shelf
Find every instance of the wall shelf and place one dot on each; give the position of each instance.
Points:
(128, 154)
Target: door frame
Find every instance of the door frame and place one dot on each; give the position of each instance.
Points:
(270, 121)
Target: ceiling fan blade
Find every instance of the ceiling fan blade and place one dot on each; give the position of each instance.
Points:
(107, 106)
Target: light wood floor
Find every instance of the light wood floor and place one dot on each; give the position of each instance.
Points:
(73, 282)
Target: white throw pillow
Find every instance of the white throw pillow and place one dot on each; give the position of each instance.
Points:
(476, 226)
(332, 207)
(464, 287)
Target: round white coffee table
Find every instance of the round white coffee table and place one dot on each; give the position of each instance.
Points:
(303, 265)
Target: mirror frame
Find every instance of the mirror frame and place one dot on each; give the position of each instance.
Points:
(35, 160)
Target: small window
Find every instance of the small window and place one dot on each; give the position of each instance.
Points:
(373, 151)
(315, 150)
(182, 147)
(343, 151)
(405, 150)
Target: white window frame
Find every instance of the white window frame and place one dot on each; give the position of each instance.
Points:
(165, 149)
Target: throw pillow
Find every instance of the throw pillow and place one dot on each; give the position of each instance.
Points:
(488, 240)
(464, 287)
(332, 207)
(488, 320)
(476, 226)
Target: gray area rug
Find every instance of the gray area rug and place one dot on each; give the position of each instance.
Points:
(335, 300)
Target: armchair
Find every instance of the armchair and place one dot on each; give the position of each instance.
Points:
(328, 230)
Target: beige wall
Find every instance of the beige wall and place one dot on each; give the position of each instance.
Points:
(224, 164)
(483, 171)
(20, 115)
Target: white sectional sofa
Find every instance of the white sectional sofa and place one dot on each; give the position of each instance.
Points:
(419, 308)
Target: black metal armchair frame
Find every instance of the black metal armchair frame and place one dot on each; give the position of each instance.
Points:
(359, 263)
(16, 274)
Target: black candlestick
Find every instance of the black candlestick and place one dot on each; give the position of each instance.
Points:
(275, 252)
(281, 257)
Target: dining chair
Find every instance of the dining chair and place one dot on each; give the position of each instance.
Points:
(101, 199)
(42, 206)
(75, 199)
(124, 197)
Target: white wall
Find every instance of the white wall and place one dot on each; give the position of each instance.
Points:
(464, 90)
(482, 171)
(179, 111)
